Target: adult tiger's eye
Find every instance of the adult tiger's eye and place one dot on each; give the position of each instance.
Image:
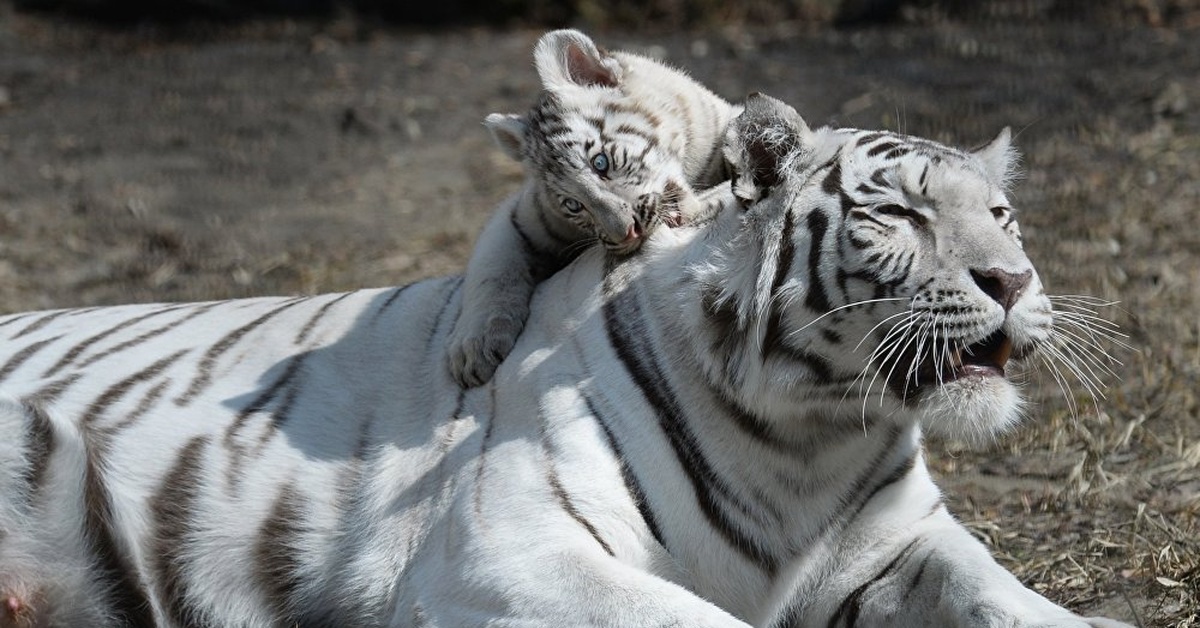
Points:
(572, 205)
(891, 209)
(600, 163)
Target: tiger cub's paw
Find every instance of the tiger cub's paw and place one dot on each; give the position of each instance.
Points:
(478, 345)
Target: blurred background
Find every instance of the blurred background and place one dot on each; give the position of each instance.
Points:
(201, 149)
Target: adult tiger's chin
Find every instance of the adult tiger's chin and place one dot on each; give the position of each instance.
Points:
(973, 409)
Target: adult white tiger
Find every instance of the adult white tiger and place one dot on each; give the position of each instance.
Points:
(665, 447)
(612, 148)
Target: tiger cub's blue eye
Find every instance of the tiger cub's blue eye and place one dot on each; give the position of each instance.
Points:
(572, 205)
(600, 163)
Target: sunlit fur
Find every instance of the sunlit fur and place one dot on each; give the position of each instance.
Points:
(680, 437)
(655, 133)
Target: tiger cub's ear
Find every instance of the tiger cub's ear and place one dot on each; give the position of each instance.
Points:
(568, 58)
(999, 158)
(763, 143)
(508, 131)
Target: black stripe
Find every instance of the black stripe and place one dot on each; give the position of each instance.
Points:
(564, 501)
(832, 336)
(783, 263)
(14, 318)
(787, 252)
(396, 292)
(204, 369)
(627, 338)
(260, 403)
(74, 352)
(816, 298)
(869, 137)
(50, 392)
(435, 341)
(543, 262)
(916, 579)
(312, 322)
(852, 605)
(898, 473)
(484, 446)
(21, 356)
(173, 509)
(850, 500)
(114, 393)
(819, 365)
(878, 178)
(277, 554)
(632, 485)
(126, 590)
(39, 323)
(863, 188)
(144, 405)
(722, 315)
(848, 204)
(148, 335)
(881, 147)
(832, 183)
(39, 445)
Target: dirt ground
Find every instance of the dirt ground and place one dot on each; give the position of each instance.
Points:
(197, 162)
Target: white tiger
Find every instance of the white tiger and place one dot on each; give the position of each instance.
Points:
(667, 445)
(612, 148)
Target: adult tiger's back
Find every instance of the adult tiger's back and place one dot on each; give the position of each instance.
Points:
(669, 444)
(612, 148)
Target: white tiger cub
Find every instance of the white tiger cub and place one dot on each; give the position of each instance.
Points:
(613, 147)
(669, 444)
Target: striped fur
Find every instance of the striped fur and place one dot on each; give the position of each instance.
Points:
(679, 438)
(612, 149)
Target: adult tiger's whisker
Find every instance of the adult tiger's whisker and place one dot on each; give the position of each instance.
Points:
(843, 307)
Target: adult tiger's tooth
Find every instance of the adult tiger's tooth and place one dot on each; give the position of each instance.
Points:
(956, 359)
(1003, 352)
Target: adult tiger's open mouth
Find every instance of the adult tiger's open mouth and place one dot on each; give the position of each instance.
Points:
(985, 358)
(945, 364)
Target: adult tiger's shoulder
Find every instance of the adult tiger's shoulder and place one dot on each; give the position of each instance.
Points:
(612, 148)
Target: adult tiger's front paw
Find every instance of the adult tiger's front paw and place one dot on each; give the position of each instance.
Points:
(477, 346)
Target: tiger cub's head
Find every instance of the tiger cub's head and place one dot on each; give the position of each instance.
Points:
(890, 271)
(599, 158)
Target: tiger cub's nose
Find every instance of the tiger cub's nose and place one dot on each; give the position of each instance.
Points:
(1002, 286)
(634, 232)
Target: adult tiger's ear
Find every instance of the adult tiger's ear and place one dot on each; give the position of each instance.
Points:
(999, 158)
(566, 58)
(763, 144)
(508, 131)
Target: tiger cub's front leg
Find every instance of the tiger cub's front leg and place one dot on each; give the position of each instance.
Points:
(501, 276)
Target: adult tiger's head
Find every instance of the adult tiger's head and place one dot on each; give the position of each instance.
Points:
(872, 272)
(600, 157)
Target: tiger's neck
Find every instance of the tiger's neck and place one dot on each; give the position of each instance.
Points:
(772, 513)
